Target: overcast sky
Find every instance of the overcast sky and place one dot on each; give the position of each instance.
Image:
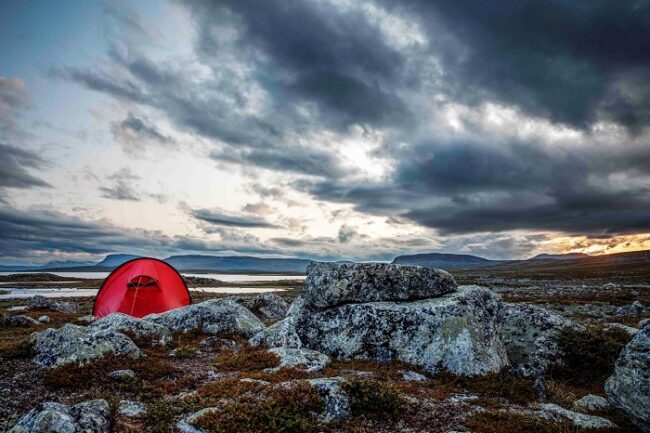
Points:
(324, 128)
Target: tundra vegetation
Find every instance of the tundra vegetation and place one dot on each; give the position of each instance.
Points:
(229, 380)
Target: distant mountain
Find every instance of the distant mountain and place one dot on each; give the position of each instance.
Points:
(238, 264)
(570, 256)
(115, 260)
(445, 261)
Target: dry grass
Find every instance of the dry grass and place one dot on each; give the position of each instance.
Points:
(248, 358)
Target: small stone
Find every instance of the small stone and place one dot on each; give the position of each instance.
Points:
(18, 321)
(44, 319)
(122, 374)
(217, 344)
(308, 360)
(591, 402)
(249, 380)
(413, 376)
(132, 409)
(39, 302)
(85, 320)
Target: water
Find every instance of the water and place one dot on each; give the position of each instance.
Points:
(66, 292)
(229, 278)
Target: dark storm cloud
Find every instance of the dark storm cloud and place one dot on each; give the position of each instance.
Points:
(335, 59)
(143, 127)
(222, 218)
(322, 68)
(14, 165)
(566, 59)
(25, 233)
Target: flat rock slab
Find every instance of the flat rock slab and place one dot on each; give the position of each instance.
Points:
(456, 332)
(88, 417)
(39, 302)
(214, 316)
(305, 359)
(79, 344)
(330, 284)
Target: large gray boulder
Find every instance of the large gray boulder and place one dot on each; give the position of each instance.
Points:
(88, 417)
(214, 316)
(39, 302)
(456, 332)
(142, 330)
(331, 284)
(78, 344)
(628, 389)
(529, 334)
(268, 306)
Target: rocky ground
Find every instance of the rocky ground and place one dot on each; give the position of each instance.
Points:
(362, 348)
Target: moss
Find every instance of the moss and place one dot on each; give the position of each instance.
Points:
(589, 356)
(285, 374)
(247, 359)
(229, 388)
(19, 348)
(185, 352)
(160, 416)
(282, 410)
(371, 397)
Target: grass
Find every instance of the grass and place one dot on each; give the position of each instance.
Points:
(281, 410)
(19, 348)
(248, 358)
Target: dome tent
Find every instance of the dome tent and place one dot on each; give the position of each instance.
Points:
(139, 287)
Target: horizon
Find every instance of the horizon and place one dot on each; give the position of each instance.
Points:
(102, 258)
(326, 130)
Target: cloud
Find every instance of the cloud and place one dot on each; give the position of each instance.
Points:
(14, 163)
(488, 123)
(220, 217)
(136, 132)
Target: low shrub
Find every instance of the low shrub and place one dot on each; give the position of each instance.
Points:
(371, 397)
(160, 416)
(589, 356)
(229, 388)
(247, 359)
(499, 385)
(281, 410)
(494, 422)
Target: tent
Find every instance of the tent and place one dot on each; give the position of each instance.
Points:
(139, 287)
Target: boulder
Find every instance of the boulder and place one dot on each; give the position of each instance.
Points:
(217, 344)
(282, 333)
(331, 284)
(591, 402)
(268, 306)
(78, 344)
(308, 360)
(636, 308)
(529, 334)
(456, 332)
(139, 329)
(39, 302)
(214, 316)
(88, 417)
(628, 389)
(18, 321)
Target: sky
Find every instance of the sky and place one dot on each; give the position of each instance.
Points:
(325, 129)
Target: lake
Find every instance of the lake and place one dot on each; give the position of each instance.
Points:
(229, 278)
(66, 292)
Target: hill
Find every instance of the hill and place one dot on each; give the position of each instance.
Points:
(445, 261)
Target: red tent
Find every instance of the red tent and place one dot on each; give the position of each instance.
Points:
(139, 287)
